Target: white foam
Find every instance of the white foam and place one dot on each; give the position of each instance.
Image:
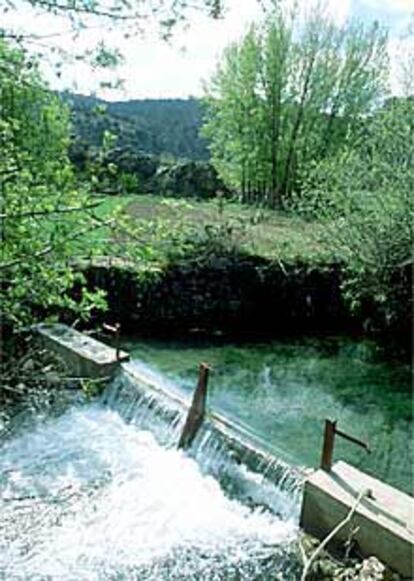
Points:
(87, 496)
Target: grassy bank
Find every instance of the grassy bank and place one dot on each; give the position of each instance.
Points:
(163, 223)
(277, 257)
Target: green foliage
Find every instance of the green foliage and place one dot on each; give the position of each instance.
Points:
(156, 126)
(44, 215)
(128, 183)
(364, 198)
(288, 93)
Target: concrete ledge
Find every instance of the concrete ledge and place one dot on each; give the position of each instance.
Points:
(385, 520)
(85, 356)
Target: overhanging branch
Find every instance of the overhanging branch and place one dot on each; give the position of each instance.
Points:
(66, 210)
(50, 247)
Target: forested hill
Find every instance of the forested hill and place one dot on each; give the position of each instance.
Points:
(169, 126)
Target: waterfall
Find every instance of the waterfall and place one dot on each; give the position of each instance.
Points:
(100, 492)
(222, 449)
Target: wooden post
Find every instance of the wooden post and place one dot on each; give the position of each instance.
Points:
(197, 410)
(117, 340)
(115, 330)
(328, 445)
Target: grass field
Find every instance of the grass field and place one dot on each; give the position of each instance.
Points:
(258, 231)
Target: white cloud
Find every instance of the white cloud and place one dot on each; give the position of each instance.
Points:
(154, 68)
(392, 6)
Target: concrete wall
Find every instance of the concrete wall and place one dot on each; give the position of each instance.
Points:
(384, 520)
(85, 356)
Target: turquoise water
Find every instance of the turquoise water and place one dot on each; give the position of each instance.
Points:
(98, 490)
(283, 392)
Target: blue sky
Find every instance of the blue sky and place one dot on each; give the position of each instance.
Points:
(154, 68)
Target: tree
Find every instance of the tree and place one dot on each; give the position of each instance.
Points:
(76, 18)
(44, 214)
(304, 89)
(233, 132)
(364, 197)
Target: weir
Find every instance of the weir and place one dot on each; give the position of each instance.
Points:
(221, 447)
(88, 496)
(242, 464)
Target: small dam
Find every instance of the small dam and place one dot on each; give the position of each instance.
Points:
(103, 492)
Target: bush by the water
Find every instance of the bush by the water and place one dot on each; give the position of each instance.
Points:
(364, 197)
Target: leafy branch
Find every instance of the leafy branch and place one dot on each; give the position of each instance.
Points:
(36, 213)
(51, 247)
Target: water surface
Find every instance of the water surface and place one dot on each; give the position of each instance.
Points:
(284, 391)
(98, 491)
(90, 496)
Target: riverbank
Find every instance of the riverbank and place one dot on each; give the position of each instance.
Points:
(226, 294)
(218, 267)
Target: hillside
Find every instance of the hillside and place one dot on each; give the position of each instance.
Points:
(156, 126)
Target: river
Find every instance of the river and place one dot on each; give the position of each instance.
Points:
(98, 491)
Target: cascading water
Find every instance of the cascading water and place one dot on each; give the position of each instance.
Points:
(218, 448)
(102, 493)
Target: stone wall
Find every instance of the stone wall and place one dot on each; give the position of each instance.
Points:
(229, 294)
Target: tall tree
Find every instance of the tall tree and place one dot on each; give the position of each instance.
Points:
(237, 134)
(314, 82)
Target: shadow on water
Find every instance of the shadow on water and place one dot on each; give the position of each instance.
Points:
(283, 391)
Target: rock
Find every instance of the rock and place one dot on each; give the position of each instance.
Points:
(190, 179)
(372, 570)
(28, 365)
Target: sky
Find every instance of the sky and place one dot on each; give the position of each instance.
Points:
(154, 68)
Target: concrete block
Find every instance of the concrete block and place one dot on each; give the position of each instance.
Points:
(85, 356)
(385, 519)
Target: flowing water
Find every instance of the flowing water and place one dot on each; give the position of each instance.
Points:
(101, 492)
(283, 392)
